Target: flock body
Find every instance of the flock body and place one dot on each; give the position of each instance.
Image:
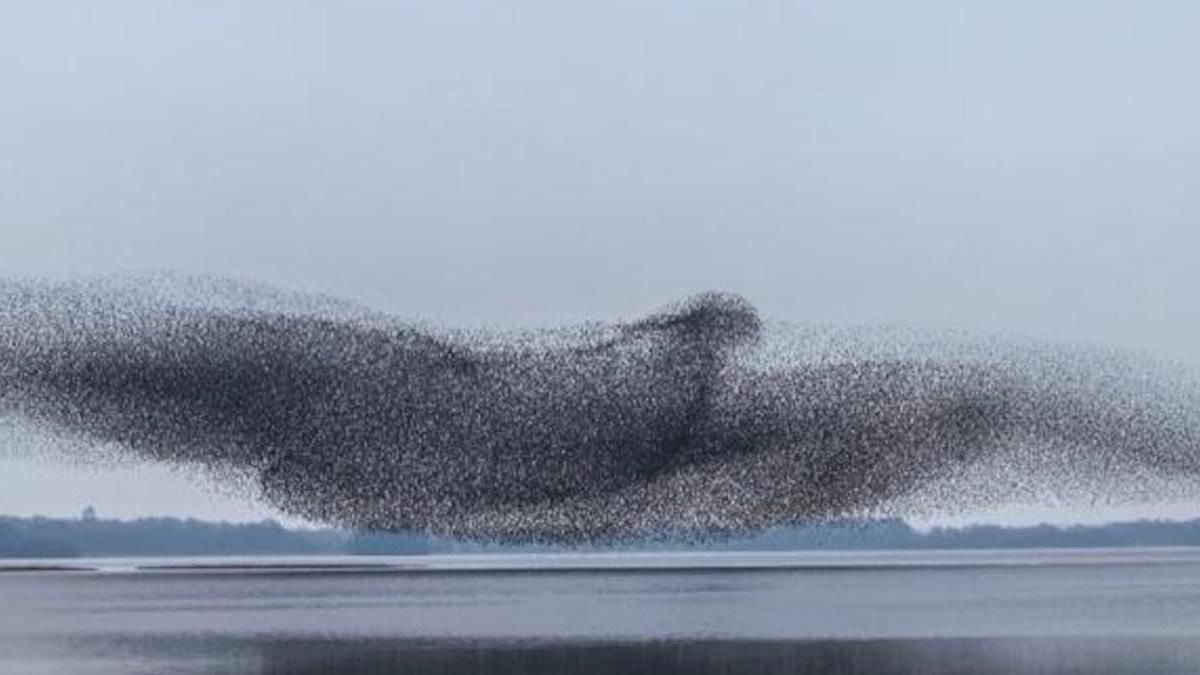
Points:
(699, 419)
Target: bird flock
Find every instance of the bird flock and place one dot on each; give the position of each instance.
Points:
(696, 420)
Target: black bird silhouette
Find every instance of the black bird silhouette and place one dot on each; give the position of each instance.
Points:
(673, 424)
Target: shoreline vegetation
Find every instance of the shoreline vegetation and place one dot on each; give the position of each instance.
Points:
(89, 536)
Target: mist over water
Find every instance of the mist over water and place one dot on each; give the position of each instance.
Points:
(699, 418)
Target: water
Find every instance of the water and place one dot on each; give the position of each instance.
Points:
(1129, 611)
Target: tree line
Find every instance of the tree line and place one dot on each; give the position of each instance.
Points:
(40, 537)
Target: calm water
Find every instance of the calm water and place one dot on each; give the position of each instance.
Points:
(1078, 612)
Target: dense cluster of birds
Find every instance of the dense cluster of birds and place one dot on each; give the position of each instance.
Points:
(698, 419)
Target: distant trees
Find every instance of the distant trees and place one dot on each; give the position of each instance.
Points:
(18, 540)
(384, 543)
(93, 536)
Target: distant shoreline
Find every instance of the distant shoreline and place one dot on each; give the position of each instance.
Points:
(622, 562)
(64, 538)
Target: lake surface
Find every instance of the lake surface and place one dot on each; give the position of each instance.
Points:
(1118, 611)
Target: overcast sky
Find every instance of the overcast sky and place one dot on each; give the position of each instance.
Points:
(1023, 167)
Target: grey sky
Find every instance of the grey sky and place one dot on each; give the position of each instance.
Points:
(1024, 167)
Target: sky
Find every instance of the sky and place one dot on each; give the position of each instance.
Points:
(1019, 167)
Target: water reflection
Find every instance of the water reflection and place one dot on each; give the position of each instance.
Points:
(1140, 615)
(219, 656)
